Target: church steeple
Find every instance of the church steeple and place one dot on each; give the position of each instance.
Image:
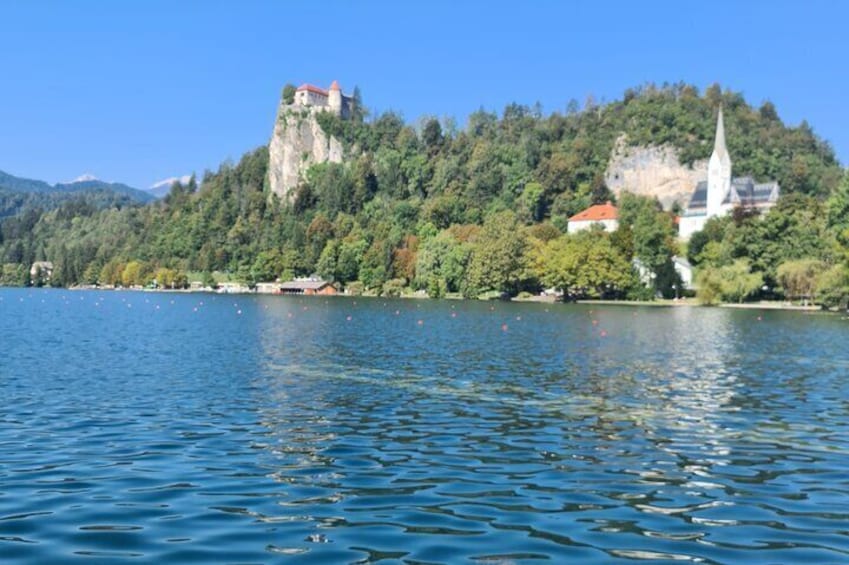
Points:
(719, 171)
(719, 142)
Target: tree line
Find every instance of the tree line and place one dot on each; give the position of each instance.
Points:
(480, 209)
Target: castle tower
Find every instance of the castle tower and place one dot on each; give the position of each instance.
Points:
(719, 171)
(334, 98)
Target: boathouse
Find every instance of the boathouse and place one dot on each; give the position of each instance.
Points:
(307, 287)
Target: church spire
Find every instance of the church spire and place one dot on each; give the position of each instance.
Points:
(719, 142)
(719, 172)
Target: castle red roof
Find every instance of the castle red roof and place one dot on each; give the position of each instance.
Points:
(597, 213)
(334, 85)
(313, 89)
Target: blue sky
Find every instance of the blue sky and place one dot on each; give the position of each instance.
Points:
(138, 91)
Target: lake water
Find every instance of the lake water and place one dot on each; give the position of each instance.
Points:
(165, 428)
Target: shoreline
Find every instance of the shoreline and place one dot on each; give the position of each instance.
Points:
(661, 303)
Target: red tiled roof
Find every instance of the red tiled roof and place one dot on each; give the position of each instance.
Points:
(313, 89)
(597, 213)
(334, 86)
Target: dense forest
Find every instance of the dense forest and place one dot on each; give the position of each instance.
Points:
(475, 210)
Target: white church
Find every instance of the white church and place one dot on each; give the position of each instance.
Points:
(720, 194)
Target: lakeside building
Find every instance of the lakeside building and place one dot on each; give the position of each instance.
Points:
(605, 215)
(720, 193)
(308, 287)
(305, 286)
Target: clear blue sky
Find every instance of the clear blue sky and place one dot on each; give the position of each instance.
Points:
(138, 91)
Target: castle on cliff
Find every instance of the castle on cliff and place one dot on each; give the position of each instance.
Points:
(331, 100)
(298, 141)
(721, 193)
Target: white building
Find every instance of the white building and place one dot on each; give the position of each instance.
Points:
(721, 193)
(333, 100)
(606, 215)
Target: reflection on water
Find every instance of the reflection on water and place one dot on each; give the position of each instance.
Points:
(339, 431)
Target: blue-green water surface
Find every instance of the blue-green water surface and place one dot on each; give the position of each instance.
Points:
(192, 428)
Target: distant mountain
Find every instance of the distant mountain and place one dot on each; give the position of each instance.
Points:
(18, 194)
(162, 188)
(85, 183)
(140, 196)
(17, 184)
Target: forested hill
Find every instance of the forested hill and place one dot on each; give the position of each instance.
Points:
(18, 194)
(444, 208)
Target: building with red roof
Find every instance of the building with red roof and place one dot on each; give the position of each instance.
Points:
(606, 215)
(309, 95)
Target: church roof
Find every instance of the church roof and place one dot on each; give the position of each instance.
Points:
(334, 85)
(597, 213)
(747, 192)
(312, 88)
(699, 198)
(744, 191)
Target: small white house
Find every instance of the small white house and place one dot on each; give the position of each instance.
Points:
(606, 215)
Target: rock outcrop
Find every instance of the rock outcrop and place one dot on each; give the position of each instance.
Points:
(653, 171)
(297, 143)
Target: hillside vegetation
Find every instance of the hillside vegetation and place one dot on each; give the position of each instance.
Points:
(482, 208)
(18, 195)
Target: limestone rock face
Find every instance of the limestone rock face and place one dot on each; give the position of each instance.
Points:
(297, 143)
(653, 171)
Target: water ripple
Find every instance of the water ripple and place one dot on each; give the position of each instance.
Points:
(292, 434)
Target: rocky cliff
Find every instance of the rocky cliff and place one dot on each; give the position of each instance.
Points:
(653, 171)
(297, 143)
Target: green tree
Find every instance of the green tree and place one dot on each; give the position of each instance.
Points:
(838, 210)
(532, 202)
(208, 280)
(833, 287)
(327, 262)
(496, 257)
(132, 274)
(432, 135)
(653, 239)
(442, 258)
(393, 288)
(289, 94)
(738, 282)
(267, 266)
(731, 283)
(111, 272)
(799, 278)
(586, 264)
(709, 286)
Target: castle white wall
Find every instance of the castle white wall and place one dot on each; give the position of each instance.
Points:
(309, 98)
